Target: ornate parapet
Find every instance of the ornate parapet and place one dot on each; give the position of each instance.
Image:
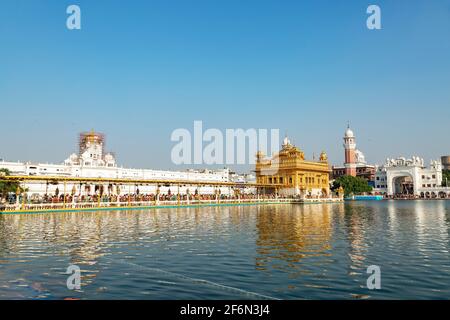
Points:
(403, 162)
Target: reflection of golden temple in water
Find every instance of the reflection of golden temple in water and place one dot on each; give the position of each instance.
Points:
(289, 236)
(297, 249)
(284, 236)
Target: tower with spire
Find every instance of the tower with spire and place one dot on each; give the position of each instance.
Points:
(355, 163)
(350, 149)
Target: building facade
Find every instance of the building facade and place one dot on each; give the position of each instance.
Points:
(355, 162)
(403, 176)
(298, 176)
(93, 162)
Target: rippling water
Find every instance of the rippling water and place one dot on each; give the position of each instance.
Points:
(317, 251)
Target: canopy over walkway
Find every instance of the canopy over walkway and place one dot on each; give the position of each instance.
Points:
(57, 179)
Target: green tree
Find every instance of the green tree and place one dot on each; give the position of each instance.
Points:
(351, 185)
(7, 186)
(446, 178)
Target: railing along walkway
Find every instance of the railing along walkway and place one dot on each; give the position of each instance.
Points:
(161, 203)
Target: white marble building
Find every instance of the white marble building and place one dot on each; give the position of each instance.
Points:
(410, 177)
(93, 162)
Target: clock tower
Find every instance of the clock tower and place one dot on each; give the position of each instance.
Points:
(350, 148)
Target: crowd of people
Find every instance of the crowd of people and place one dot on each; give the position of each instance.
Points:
(403, 196)
(95, 198)
(428, 195)
(57, 199)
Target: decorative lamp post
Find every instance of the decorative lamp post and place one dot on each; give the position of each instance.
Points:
(118, 194)
(74, 191)
(17, 198)
(64, 195)
(158, 191)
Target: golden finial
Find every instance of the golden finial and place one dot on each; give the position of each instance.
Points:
(323, 156)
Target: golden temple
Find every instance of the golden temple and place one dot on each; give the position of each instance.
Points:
(298, 177)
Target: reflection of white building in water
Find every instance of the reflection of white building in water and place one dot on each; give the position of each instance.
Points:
(411, 177)
(93, 162)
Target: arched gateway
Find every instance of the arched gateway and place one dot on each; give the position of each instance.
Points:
(410, 177)
(402, 182)
(403, 185)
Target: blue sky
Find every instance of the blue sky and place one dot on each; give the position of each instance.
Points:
(137, 70)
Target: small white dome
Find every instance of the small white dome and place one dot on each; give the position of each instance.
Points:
(349, 133)
(359, 157)
(286, 141)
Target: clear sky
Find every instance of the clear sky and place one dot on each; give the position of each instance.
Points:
(137, 70)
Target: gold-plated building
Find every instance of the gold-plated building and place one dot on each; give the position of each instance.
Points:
(298, 177)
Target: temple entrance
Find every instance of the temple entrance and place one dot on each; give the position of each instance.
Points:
(403, 185)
